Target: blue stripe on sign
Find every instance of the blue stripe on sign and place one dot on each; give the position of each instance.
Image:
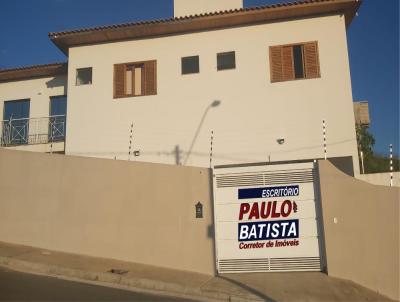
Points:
(268, 192)
(268, 230)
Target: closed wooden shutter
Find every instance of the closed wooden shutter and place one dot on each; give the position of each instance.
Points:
(119, 80)
(311, 60)
(287, 63)
(150, 74)
(275, 63)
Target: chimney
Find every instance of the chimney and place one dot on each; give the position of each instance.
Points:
(194, 7)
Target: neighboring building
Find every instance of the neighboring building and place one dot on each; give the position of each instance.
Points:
(257, 82)
(33, 103)
(361, 113)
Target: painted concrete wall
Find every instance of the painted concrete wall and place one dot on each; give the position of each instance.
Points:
(145, 213)
(361, 226)
(382, 179)
(253, 112)
(39, 92)
(136, 212)
(194, 7)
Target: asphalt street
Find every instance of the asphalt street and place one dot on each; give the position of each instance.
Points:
(16, 286)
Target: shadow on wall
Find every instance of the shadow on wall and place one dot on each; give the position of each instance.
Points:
(56, 82)
(213, 104)
(211, 227)
(344, 164)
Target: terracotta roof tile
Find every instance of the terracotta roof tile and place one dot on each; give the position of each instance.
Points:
(33, 71)
(179, 25)
(189, 17)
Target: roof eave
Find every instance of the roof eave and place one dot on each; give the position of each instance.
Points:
(65, 40)
(351, 13)
(33, 72)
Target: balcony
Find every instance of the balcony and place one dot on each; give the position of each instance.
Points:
(33, 131)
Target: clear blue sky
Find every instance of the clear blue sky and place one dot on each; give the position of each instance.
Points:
(373, 44)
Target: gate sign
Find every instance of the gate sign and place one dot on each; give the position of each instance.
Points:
(266, 218)
(265, 230)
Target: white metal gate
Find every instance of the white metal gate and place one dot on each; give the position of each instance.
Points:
(266, 218)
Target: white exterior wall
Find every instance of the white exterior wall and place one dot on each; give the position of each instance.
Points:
(194, 7)
(253, 112)
(381, 179)
(39, 92)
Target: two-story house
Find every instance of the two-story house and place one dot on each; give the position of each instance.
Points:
(238, 84)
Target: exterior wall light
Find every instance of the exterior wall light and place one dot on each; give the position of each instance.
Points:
(280, 141)
(199, 210)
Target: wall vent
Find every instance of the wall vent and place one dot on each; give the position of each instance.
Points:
(264, 178)
(269, 265)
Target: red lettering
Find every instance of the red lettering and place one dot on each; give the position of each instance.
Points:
(274, 213)
(266, 210)
(254, 211)
(265, 213)
(244, 208)
(286, 208)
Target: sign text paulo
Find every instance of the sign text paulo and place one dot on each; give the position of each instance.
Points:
(269, 219)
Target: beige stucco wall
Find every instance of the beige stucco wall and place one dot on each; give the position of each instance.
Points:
(361, 226)
(39, 91)
(382, 179)
(253, 112)
(136, 212)
(194, 7)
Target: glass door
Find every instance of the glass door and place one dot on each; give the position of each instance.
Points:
(16, 122)
(58, 111)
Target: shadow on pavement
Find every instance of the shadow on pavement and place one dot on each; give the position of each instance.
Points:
(248, 288)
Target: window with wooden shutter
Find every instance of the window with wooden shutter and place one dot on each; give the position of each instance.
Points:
(135, 79)
(150, 71)
(311, 60)
(275, 63)
(294, 61)
(287, 63)
(119, 80)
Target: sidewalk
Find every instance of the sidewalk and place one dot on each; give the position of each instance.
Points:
(169, 282)
(139, 277)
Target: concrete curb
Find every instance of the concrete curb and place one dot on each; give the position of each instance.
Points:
(123, 282)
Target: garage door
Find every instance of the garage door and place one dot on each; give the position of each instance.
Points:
(266, 218)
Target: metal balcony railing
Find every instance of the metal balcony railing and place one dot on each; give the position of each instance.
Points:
(30, 131)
